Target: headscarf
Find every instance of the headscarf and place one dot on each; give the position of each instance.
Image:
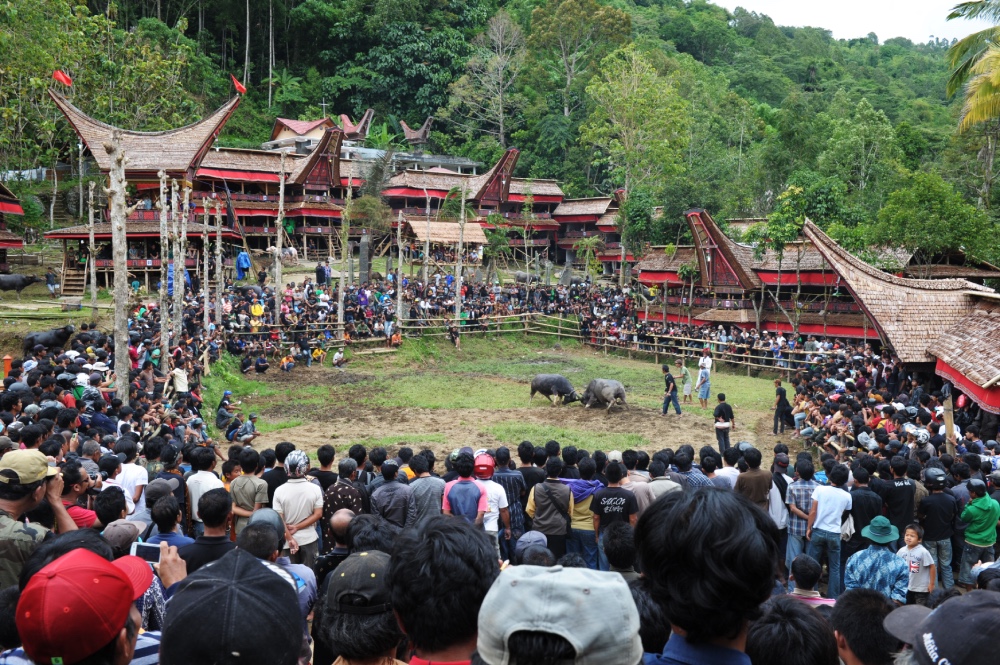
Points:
(296, 464)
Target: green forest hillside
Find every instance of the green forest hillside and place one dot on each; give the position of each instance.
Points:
(683, 104)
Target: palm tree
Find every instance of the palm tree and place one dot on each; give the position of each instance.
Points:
(497, 246)
(589, 247)
(966, 52)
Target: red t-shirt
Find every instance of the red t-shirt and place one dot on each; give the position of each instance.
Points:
(83, 518)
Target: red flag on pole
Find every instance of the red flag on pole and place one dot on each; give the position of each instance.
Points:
(62, 77)
(240, 88)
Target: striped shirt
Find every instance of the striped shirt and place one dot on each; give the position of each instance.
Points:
(147, 652)
(513, 484)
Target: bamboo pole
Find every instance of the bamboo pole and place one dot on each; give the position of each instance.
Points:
(399, 269)
(183, 243)
(427, 239)
(175, 319)
(93, 249)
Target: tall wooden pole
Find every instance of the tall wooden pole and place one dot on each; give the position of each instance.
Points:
(164, 258)
(345, 231)
(458, 261)
(92, 249)
(116, 201)
(178, 297)
(949, 426)
(427, 239)
(218, 267)
(278, 284)
(204, 272)
(183, 243)
(399, 269)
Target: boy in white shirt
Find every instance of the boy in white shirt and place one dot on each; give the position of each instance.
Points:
(496, 501)
(921, 563)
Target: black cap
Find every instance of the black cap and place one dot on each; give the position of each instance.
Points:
(960, 630)
(235, 611)
(362, 578)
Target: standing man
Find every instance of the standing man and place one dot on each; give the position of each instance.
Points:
(550, 505)
(754, 483)
(513, 484)
(300, 504)
(670, 392)
(51, 282)
(937, 513)
(781, 407)
(981, 515)
(704, 385)
(829, 504)
(798, 498)
(687, 381)
(725, 422)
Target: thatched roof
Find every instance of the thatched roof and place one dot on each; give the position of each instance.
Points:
(446, 232)
(329, 149)
(535, 187)
(943, 271)
(658, 261)
(906, 312)
(732, 263)
(299, 127)
(234, 159)
(594, 206)
(972, 345)
(414, 179)
(176, 151)
(150, 229)
(798, 255)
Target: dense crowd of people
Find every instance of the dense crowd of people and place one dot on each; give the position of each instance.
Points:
(127, 534)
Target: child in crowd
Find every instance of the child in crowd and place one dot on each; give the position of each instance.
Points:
(921, 563)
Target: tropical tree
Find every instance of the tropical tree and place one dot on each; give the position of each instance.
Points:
(638, 123)
(688, 273)
(497, 246)
(287, 89)
(589, 247)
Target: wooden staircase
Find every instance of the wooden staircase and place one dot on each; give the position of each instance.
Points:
(74, 279)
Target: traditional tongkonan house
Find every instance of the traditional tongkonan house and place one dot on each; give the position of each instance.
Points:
(177, 152)
(808, 291)
(9, 207)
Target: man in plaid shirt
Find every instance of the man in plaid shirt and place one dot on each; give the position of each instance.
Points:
(513, 484)
(799, 500)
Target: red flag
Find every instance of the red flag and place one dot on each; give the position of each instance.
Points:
(62, 77)
(240, 88)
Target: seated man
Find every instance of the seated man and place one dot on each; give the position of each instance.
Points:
(261, 365)
(287, 363)
(338, 358)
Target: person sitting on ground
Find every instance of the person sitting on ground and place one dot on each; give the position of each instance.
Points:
(261, 365)
(287, 363)
(582, 608)
(439, 574)
(696, 547)
(791, 633)
(338, 359)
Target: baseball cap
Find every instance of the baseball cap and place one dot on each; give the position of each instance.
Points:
(271, 517)
(28, 466)
(960, 630)
(32, 409)
(237, 610)
(561, 601)
(77, 604)
(39, 347)
(527, 540)
(122, 533)
(160, 488)
(364, 575)
(781, 459)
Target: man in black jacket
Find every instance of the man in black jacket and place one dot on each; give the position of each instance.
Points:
(866, 505)
(938, 513)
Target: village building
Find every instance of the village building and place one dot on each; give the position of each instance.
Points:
(9, 207)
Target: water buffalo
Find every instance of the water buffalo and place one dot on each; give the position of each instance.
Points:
(17, 282)
(604, 392)
(554, 384)
(522, 277)
(50, 339)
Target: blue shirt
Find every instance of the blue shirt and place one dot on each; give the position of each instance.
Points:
(173, 539)
(880, 569)
(681, 652)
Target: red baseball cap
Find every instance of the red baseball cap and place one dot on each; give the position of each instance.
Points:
(77, 604)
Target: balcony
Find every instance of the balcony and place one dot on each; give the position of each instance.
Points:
(530, 242)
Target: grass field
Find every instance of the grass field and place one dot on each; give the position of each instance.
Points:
(430, 395)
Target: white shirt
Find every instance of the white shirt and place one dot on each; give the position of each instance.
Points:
(199, 483)
(730, 473)
(131, 477)
(295, 501)
(180, 379)
(496, 498)
(832, 502)
(129, 504)
(705, 362)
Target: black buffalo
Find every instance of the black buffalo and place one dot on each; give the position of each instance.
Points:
(18, 282)
(601, 392)
(522, 277)
(556, 385)
(51, 339)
